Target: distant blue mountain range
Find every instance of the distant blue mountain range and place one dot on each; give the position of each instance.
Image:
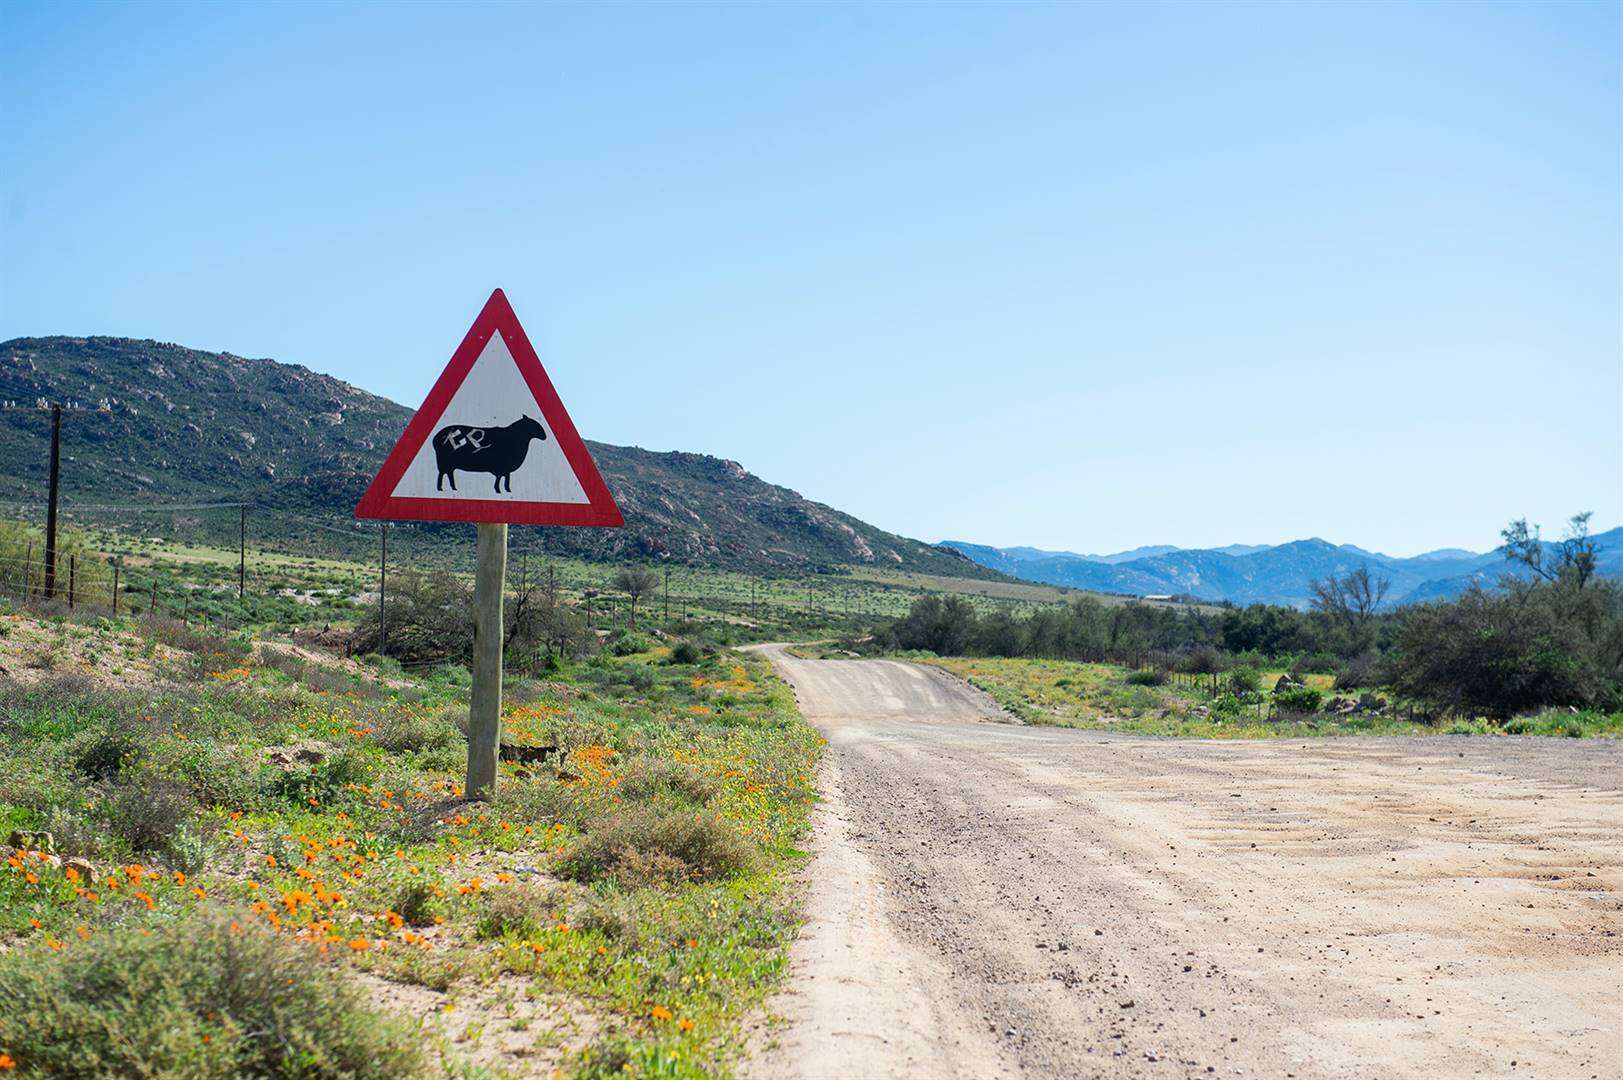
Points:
(1261, 573)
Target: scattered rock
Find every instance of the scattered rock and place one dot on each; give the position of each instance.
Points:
(24, 840)
(288, 758)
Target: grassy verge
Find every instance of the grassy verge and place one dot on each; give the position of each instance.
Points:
(619, 915)
(1069, 693)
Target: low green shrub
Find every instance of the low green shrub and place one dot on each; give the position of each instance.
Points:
(401, 731)
(544, 803)
(418, 903)
(629, 643)
(197, 999)
(1244, 680)
(647, 779)
(1147, 677)
(708, 847)
(517, 909)
(146, 809)
(1298, 699)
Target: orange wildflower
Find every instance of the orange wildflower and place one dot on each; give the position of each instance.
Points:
(660, 1012)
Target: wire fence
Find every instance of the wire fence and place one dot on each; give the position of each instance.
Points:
(110, 559)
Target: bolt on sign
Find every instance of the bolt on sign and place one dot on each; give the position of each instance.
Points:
(492, 444)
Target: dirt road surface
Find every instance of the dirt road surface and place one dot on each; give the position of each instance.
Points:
(991, 899)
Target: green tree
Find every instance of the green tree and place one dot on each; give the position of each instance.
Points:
(636, 582)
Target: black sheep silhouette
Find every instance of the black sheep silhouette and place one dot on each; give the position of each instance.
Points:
(495, 450)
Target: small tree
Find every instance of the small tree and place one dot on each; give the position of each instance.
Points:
(1352, 601)
(1207, 661)
(1570, 560)
(1244, 681)
(636, 582)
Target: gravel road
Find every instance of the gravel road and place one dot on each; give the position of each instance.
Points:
(991, 899)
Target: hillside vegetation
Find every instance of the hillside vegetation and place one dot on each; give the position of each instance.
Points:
(1548, 636)
(179, 425)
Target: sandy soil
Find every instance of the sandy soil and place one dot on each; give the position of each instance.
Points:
(989, 899)
(32, 651)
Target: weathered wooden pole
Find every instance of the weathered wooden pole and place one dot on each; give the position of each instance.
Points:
(485, 707)
(242, 550)
(383, 588)
(50, 506)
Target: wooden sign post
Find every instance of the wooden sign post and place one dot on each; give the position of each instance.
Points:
(485, 709)
(491, 418)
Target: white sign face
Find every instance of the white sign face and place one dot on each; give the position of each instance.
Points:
(491, 442)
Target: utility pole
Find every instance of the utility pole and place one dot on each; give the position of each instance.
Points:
(50, 509)
(667, 594)
(242, 550)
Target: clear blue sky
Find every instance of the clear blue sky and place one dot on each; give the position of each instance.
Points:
(1077, 276)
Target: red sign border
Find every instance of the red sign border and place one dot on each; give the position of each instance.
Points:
(497, 316)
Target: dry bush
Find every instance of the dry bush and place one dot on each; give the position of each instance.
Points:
(649, 778)
(707, 846)
(197, 999)
(523, 909)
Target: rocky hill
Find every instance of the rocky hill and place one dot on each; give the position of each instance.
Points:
(156, 423)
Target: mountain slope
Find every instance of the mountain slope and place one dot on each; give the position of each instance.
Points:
(167, 424)
(1281, 574)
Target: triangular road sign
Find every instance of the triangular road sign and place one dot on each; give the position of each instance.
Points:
(492, 442)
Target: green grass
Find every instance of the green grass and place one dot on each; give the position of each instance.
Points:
(1069, 693)
(287, 590)
(648, 888)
